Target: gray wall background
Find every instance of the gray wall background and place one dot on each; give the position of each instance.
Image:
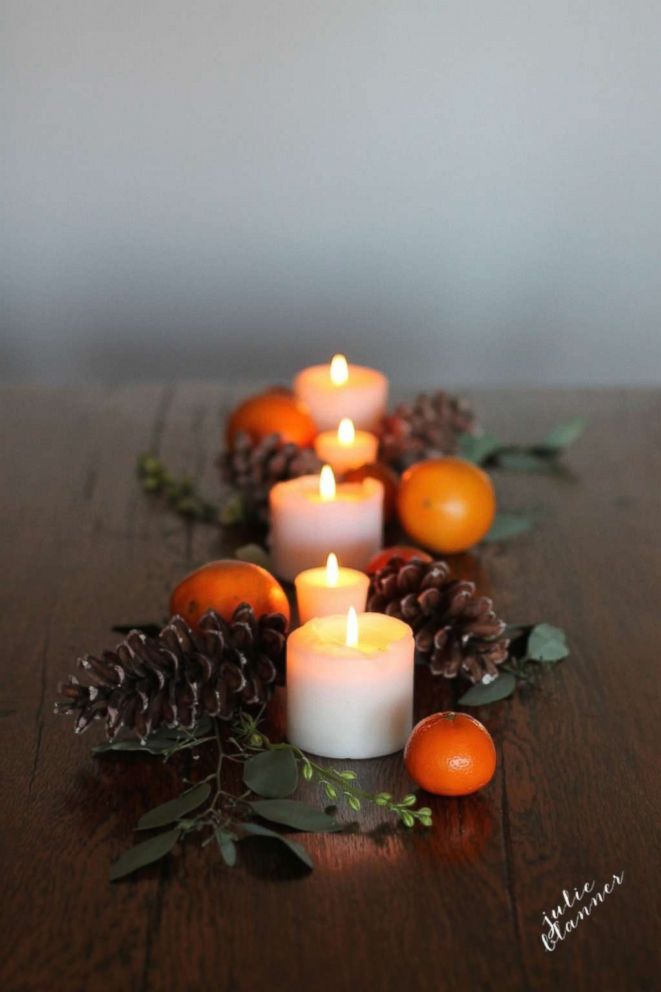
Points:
(460, 192)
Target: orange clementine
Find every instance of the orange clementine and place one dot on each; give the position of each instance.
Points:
(404, 551)
(447, 504)
(273, 412)
(222, 586)
(450, 754)
(386, 477)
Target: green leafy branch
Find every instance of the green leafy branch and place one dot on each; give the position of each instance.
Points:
(543, 456)
(530, 646)
(336, 784)
(179, 494)
(270, 774)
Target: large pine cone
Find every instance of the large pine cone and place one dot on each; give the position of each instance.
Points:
(456, 631)
(179, 676)
(428, 428)
(253, 468)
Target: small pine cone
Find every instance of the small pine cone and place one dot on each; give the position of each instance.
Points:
(174, 679)
(428, 428)
(455, 630)
(253, 468)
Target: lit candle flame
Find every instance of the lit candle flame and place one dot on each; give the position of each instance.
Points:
(351, 639)
(327, 484)
(346, 432)
(339, 370)
(332, 570)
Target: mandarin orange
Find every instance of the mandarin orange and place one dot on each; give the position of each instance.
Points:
(447, 504)
(450, 754)
(222, 586)
(273, 412)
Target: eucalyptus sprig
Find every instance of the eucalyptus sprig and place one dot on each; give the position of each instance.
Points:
(541, 456)
(335, 783)
(179, 493)
(213, 811)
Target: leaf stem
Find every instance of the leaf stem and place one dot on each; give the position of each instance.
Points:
(336, 782)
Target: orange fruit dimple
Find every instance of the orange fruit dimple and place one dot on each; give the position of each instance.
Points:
(450, 754)
(447, 504)
(273, 412)
(222, 586)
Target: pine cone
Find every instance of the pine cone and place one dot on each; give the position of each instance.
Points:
(252, 468)
(180, 675)
(428, 428)
(457, 631)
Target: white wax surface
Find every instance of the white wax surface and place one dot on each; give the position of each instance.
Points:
(315, 598)
(305, 528)
(363, 397)
(341, 457)
(350, 702)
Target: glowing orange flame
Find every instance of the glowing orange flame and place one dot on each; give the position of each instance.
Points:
(351, 639)
(327, 484)
(339, 370)
(346, 432)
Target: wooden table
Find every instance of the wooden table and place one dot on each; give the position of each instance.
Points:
(575, 797)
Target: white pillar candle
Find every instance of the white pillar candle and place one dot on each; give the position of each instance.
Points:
(322, 592)
(340, 390)
(355, 699)
(346, 447)
(311, 516)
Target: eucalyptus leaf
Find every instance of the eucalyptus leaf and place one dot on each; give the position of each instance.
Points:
(256, 830)
(227, 847)
(507, 525)
(132, 745)
(547, 643)
(477, 448)
(523, 461)
(175, 808)
(483, 694)
(293, 813)
(144, 854)
(562, 435)
(159, 741)
(255, 554)
(272, 774)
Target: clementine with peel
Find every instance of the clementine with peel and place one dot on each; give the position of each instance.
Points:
(273, 412)
(450, 754)
(222, 586)
(447, 504)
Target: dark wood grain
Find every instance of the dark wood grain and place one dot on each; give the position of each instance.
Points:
(575, 797)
